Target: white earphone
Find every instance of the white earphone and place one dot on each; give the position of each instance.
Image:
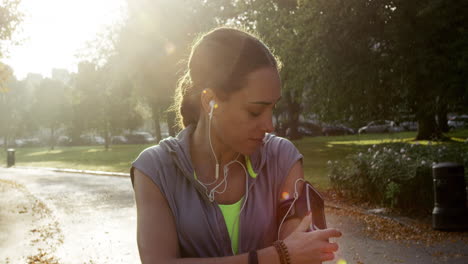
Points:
(212, 106)
(211, 194)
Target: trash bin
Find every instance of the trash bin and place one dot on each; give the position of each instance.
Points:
(450, 211)
(10, 157)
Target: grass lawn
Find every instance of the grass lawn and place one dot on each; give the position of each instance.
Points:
(116, 159)
(317, 152)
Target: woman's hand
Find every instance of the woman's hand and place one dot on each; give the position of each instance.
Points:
(311, 247)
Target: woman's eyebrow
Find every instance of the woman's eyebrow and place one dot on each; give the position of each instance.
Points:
(264, 102)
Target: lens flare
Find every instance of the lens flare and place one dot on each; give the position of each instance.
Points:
(285, 195)
(170, 48)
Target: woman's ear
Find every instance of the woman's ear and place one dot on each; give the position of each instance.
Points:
(208, 100)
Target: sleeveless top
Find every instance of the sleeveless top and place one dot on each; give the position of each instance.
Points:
(231, 211)
(201, 229)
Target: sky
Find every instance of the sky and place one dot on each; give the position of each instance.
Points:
(55, 31)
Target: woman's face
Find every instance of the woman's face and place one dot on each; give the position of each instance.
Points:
(242, 121)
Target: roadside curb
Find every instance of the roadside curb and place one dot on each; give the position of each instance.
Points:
(369, 212)
(102, 173)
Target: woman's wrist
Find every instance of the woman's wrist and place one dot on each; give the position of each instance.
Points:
(268, 255)
(253, 257)
(283, 252)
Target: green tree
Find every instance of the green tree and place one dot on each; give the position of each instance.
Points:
(385, 59)
(84, 100)
(12, 106)
(430, 50)
(103, 101)
(118, 102)
(154, 40)
(277, 23)
(10, 19)
(50, 106)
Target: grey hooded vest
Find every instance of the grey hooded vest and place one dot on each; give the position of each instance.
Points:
(200, 225)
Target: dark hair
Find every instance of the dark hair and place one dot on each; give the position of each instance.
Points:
(220, 60)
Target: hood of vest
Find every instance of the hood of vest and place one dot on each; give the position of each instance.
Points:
(179, 149)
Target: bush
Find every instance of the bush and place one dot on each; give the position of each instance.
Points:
(396, 175)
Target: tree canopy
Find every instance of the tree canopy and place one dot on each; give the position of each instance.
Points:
(343, 61)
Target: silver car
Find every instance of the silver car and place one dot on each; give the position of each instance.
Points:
(458, 122)
(380, 126)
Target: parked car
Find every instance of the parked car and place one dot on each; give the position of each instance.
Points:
(165, 134)
(458, 122)
(18, 143)
(119, 140)
(309, 129)
(139, 138)
(304, 129)
(396, 128)
(64, 141)
(91, 140)
(336, 130)
(409, 125)
(379, 126)
(27, 142)
(407, 122)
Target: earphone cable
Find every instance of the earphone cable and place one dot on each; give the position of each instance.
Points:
(296, 196)
(211, 145)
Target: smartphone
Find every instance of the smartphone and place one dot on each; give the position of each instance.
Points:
(312, 201)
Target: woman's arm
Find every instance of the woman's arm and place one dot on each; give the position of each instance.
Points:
(156, 231)
(314, 247)
(157, 236)
(295, 173)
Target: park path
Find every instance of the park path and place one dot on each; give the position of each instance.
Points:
(91, 219)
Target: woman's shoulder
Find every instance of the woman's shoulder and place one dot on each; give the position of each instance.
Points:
(277, 145)
(281, 151)
(153, 158)
(160, 150)
(151, 154)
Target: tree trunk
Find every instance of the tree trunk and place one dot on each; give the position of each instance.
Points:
(279, 127)
(442, 118)
(157, 124)
(52, 137)
(171, 123)
(294, 110)
(106, 136)
(75, 132)
(427, 127)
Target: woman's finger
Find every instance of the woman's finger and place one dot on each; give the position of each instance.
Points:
(330, 248)
(327, 256)
(305, 223)
(325, 234)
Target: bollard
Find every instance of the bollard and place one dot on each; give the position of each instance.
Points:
(450, 211)
(10, 157)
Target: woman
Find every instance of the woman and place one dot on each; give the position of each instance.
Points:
(211, 194)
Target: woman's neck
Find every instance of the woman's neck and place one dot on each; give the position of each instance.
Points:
(200, 147)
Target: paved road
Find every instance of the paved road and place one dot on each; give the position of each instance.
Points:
(96, 215)
(89, 219)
